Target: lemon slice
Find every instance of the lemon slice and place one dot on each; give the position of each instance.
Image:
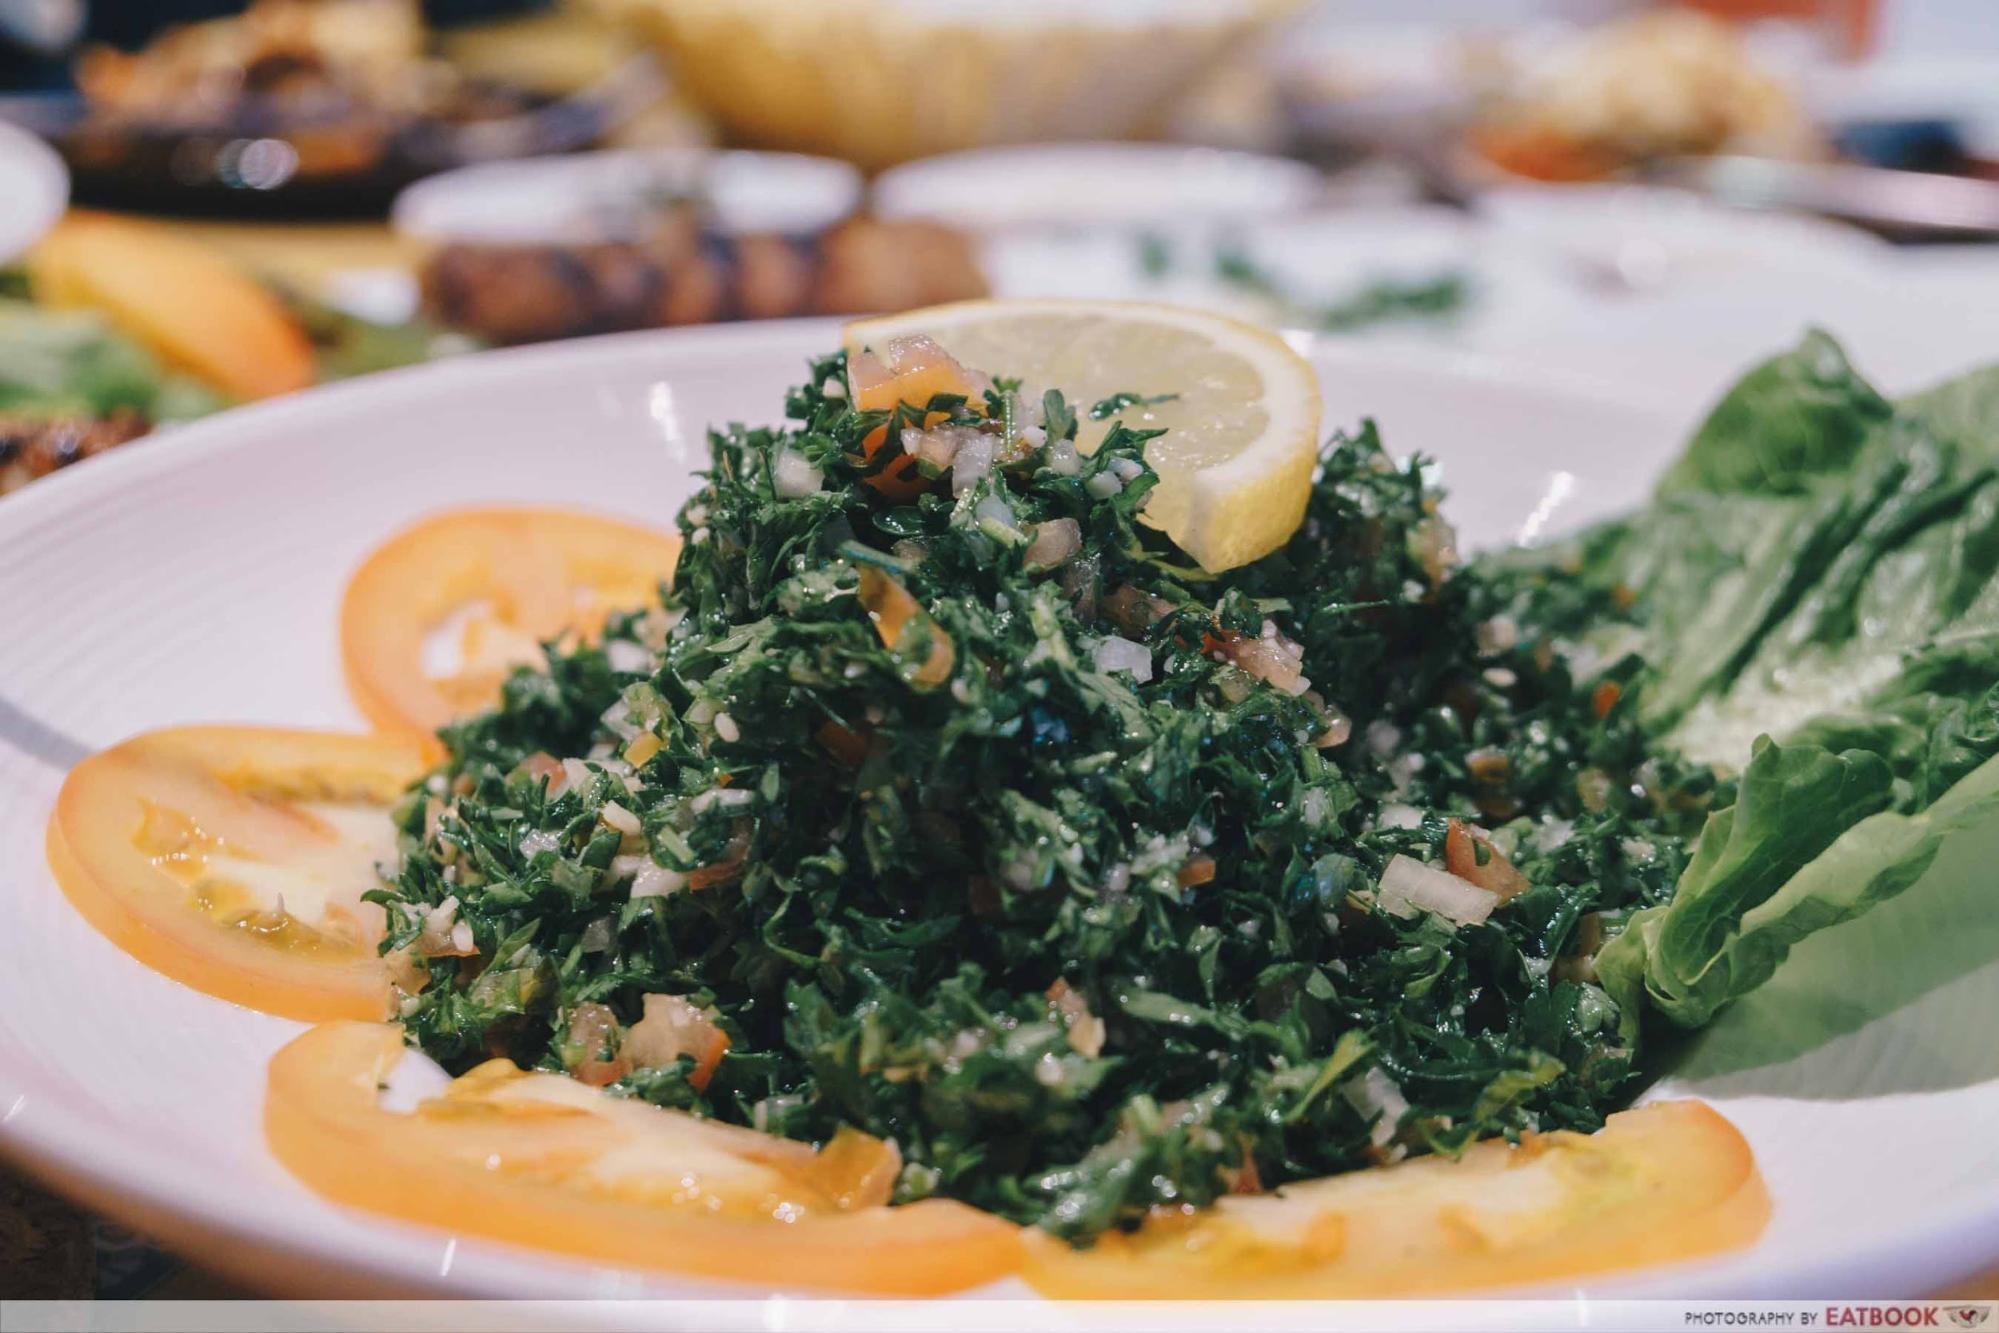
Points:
(1242, 431)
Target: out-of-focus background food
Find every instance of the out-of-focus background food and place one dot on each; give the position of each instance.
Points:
(272, 194)
(207, 202)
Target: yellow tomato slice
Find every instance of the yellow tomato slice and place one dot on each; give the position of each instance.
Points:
(233, 860)
(542, 1160)
(506, 580)
(1668, 1181)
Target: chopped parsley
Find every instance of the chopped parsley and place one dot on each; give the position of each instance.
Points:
(1067, 873)
(1118, 402)
(1442, 296)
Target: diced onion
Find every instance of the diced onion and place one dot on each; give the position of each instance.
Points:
(1055, 542)
(618, 719)
(1119, 654)
(628, 657)
(444, 935)
(728, 798)
(793, 476)
(1551, 834)
(1104, 485)
(1409, 886)
(656, 881)
(973, 460)
(991, 511)
(1376, 1097)
(939, 447)
(536, 841)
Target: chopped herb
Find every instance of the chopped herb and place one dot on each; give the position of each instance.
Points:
(1381, 301)
(1093, 879)
(1440, 297)
(1118, 402)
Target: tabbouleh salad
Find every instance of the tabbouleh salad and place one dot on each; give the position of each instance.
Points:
(973, 814)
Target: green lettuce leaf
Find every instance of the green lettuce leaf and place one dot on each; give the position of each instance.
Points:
(1798, 416)
(1726, 933)
(72, 362)
(1821, 566)
(1964, 410)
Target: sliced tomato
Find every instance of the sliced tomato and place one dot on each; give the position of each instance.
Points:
(505, 580)
(1664, 1182)
(233, 859)
(542, 1160)
(1470, 855)
(894, 612)
(912, 371)
(1542, 153)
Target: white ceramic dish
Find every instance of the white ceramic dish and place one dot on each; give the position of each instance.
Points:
(1313, 259)
(1070, 185)
(195, 578)
(613, 196)
(1652, 238)
(34, 189)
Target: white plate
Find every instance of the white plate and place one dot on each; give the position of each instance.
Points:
(1314, 259)
(34, 189)
(615, 195)
(195, 578)
(1094, 185)
(1907, 86)
(1655, 239)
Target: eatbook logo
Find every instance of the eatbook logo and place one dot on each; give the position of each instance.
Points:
(1969, 1316)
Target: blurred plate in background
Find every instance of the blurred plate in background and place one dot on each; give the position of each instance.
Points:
(1095, 185)
(34, 187)
(257, 164)
(1644, 237)
(618, 196)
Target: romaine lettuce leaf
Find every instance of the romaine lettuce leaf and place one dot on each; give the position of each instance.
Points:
(1933, 724)
(1964, 410)
(1725, 934)
(1798, 416)
(1806, 588)
(1821, 566)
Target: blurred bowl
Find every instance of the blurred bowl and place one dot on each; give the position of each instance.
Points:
(1095, 185)
(34, 188)
(617, 196)
(893, 80)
